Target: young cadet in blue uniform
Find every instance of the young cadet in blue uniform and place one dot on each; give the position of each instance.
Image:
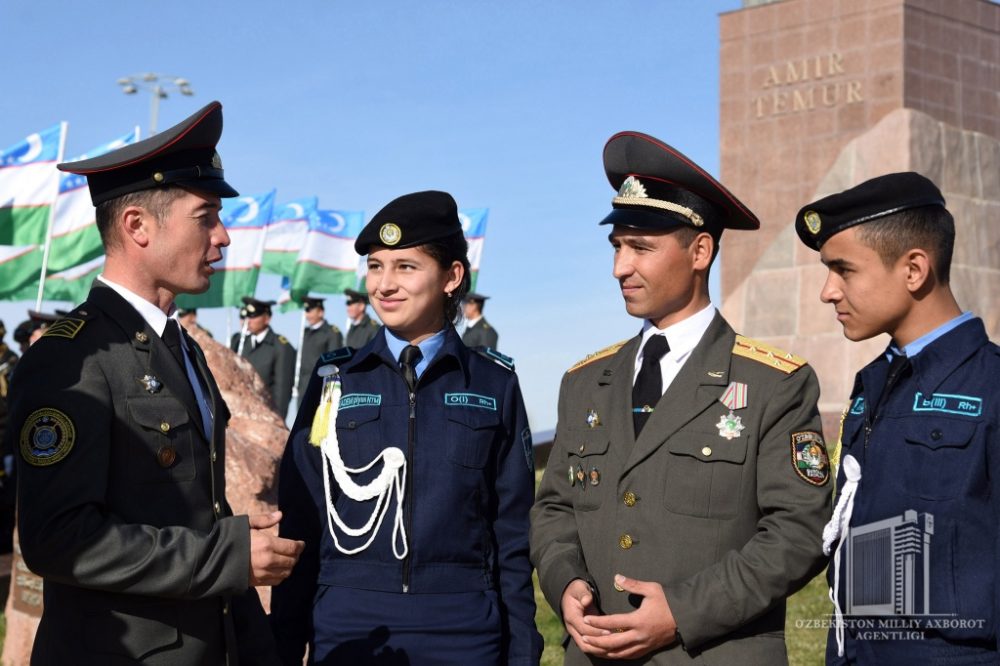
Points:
(917, 520)
(121, 436)
(409, 475)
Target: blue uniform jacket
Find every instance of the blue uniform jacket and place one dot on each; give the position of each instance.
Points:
(931, 472)
(469, 491)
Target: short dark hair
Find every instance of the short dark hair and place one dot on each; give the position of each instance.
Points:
(446, 251)
(685, 236)
(156, 201)
(929, 228)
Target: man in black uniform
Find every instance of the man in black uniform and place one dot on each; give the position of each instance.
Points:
(477, 330)
(8, 359)
(271, 355)
(362, 327)
(120, 436)
(318, 338)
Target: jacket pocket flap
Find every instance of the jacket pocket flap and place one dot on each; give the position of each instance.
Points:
(354, 417)
(153, 412)
(132, 633)
(708, 447)
(939, 432)
(474, 418)
(591, 444)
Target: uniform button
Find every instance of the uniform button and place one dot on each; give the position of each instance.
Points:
(625, 541)
(582, 447)
(352, 425)
(218, 508)
(629, 498)
(225, 608)
(706, 451)
(936, 435)
(165, 427)
(166, 456)
(214, 455)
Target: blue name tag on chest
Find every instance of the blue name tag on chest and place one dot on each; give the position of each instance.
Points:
(949, 404)
(359, 400)
(470, 400)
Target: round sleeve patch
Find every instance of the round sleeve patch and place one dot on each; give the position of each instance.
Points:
(809, 457)
(47, 437)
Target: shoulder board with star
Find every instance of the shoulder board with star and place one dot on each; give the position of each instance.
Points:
(778, 359)
(495, 356)
(70, 325)
(337, 356)
(598, 355)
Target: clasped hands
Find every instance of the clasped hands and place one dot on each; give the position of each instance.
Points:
(271, 557)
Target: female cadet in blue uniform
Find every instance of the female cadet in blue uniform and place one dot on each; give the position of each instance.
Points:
(408, 473)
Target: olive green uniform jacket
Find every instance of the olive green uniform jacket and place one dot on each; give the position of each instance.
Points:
(274, 360)
(122, 500)
(315, 343)
(729, 527)
(360, 334)
(481, 333)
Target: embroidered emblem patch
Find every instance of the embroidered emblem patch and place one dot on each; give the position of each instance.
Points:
(64, 328)
(948, 404)
(390, 234)
(809, 457)
(470, 400)
(730, 425)
(359, 400)
(529, 450)
(735, 396)
(47, 437)
(859, 405)
(812, 221)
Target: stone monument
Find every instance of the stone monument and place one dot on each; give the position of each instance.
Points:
(819, 95)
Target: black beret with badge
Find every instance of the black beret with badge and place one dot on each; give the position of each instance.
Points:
(870, 200)
(255, 308)
(658, 188)
(411, 220)
(355, 296)
(183, 155)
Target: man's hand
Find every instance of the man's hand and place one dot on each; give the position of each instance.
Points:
(632, 635)
(577, 603)
(271, 557)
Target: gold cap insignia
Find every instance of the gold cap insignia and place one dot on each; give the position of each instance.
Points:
(216, 161)
(812, 221)
(390, 234)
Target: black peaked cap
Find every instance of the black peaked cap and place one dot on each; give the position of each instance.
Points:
(659, 187)
(870, 200)
(473, 296)
(312, 301)
(182, 155)
(254, 306)
(355, 296)
(411, 220)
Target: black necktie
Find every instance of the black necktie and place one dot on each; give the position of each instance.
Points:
(648, 387)
(408, 360)
(172, 338)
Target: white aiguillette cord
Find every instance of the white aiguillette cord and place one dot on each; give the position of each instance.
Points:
(392, 476)
(836, 530)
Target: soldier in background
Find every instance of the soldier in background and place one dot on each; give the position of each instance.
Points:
(271, 355)
(188, 318)
(477, 330)
(318, 338)
(361, 327)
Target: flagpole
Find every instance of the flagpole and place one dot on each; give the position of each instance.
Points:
(52, 216)
(243, 336)
(298, 356)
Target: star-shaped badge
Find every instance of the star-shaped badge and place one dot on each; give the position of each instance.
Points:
(730, 425)
(151, 383)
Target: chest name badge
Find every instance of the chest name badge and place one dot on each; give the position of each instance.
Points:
(470, 400)
(730, 425)
(359, 400)
(949, 404)
(859, 405)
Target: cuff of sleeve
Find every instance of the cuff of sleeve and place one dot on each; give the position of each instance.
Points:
(557, 579)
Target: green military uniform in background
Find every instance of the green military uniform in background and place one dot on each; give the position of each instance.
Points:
(480, 333)
(8, 359)
(316, 342)
(361, 333)
(274, 360)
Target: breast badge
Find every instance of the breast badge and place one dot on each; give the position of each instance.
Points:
(47, 437)
(730, 425)
(151, 383)
(593, 420)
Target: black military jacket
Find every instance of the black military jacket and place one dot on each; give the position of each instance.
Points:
(315, 343)
(274, 360)
(360, 334)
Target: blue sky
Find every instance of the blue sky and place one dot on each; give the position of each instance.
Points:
(503, 104)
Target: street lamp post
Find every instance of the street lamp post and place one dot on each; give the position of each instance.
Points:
(157, 85)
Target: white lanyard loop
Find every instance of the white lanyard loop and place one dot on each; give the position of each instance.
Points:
(836, 530)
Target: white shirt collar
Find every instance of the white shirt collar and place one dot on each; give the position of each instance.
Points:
(469, 323)
(259, 338)
(316, 327)
(683, 336)
(153, 315)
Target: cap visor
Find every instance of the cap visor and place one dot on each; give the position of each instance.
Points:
(213, 185)
(638, 219)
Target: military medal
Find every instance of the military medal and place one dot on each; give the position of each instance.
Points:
(151, 383)
(595, 476)
(581, 477)
(572, 477)
(735, 396)
(593, 420)
(730, 426)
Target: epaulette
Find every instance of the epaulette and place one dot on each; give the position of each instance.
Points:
(70, 325)
(495, 356)
(337, 355)
(282, 339)
(598, 355)
(335, 329)
(776, 358)
(374, 323)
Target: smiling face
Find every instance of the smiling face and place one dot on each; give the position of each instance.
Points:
(869, 297)
(408, 289)
(660, 280)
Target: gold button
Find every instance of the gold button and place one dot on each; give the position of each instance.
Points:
(218, 508)
(625, 541)
(158, 177)
(166, 456)
(83, 312)
(629, 499)
(225, 609)
(706, 451)
(165, 427)
(582, 447)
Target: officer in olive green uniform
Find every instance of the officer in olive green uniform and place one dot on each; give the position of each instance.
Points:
(120, 437)
(362, 327)
(318, 337)
(271, 355)
(478, 331)
(686, 493)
